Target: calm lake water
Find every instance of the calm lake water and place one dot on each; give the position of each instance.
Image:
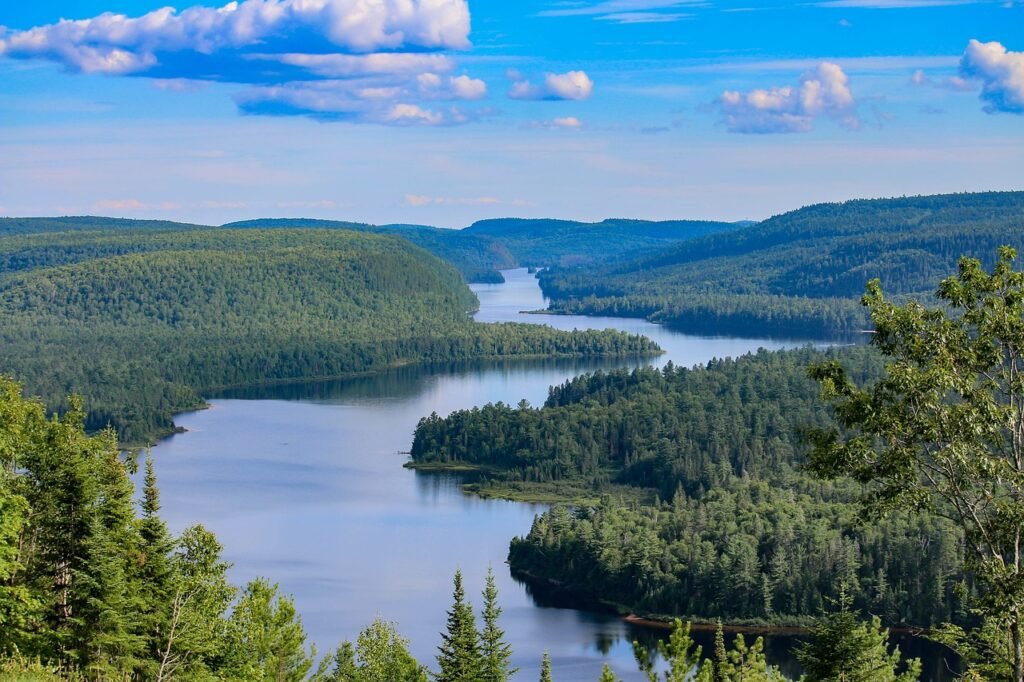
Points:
(304, 484)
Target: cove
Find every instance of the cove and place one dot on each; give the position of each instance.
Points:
(304, 484)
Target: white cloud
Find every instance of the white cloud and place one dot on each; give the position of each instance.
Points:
(1000, 72)
(645, 17)
(349, 65)
(118, 44)
(462, 87)
(572, 85)
(411, 114)
(567, 122)
(823, 91)
(919, 77)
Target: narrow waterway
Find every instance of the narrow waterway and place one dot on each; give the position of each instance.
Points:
(304, 484)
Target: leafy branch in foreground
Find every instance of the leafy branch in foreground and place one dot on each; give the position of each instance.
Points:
(943, 431)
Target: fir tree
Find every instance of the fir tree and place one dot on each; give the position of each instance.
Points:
(545, 668)
(496, 652)
(155, 573)
(682, 655)
(459, 656)
(607, 675)
(846, 649)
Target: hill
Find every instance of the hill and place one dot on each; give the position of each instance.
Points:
(720, 518)
(544, 242)
(799, 273)
(477, 258)
(145, 322)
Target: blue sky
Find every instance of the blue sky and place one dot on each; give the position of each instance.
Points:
(446, 111)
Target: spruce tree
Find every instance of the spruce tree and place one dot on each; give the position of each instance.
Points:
(846, 649)
(495, 651)
(681, 654)
(545, 668)
(155, 574)
(459, 656)
(607, 675)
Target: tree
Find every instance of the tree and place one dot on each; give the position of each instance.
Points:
(265, 638)
(155, 574)
(681, 654)
(944, 430)
(380, 655)
(846, 649)
(495, 651)
(607, 675)
(200, 594)
(545, 668)
(459, 656)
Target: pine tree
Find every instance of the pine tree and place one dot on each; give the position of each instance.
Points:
(496, 652)
(846, 649)
(459, 656)
(607, 675)
(545, 668)
(682, 655)
(155, 574)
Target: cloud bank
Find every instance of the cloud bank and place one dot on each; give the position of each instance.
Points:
(825, 91)
(1000, 72)
(356, 60)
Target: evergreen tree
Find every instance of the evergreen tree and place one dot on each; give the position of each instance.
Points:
(382, 655)
(155, 574)
(545, 668)
(265, 638)
(459, 657)
(607, 675)
(846, 649)
(681, 654)
(495, 651)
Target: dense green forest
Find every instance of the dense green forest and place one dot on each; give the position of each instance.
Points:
(742, 533)
(798, 274)
(543, 242)
(94, 587)
(478, 258)
(144, 322)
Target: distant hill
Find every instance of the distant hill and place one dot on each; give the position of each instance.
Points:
(799, 273)
(545, 242)
(143, 322)
(16, 226)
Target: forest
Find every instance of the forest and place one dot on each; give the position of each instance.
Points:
(94, 587)
(143, 322)
(798, 274)
(732, 526)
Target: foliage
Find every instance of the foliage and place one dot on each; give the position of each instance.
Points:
(743, 532)
(545, 668)
(680, 653)
(845, 649)
(797, 274)
(164, 316)
(495, 652)
(459, 658)
(380, 655)
(942, 431)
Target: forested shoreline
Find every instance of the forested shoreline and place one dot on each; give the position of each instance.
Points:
(798, 274)
(145, 322)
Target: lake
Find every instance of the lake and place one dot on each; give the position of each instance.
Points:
(304, 484)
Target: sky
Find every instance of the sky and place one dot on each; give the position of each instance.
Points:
(443, 112)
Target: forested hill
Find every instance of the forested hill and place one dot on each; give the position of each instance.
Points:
(142, 322)
(543, 242)
(742, 534)
(15, 226)
(478, 258)
(799, 273)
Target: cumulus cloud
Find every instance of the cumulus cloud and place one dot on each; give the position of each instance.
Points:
(1000, 72)
(825, 91)
(357, 60)
(572, 85)
(118, 44)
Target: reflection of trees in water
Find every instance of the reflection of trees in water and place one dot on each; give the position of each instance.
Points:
(938, 663)
(411, 380)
